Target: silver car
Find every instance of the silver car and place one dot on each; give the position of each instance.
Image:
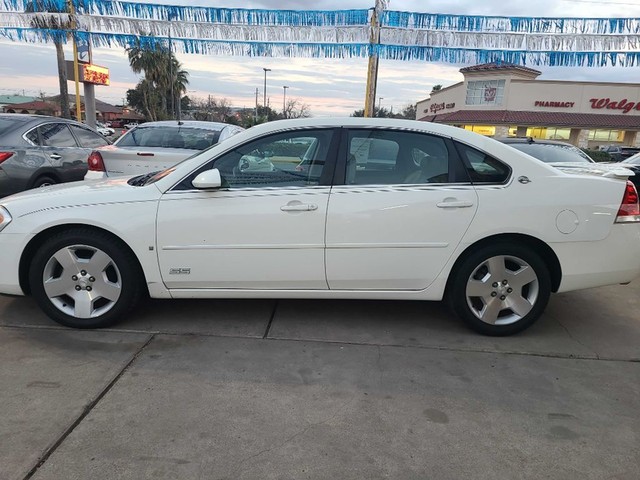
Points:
(37, 150)
(156, 146)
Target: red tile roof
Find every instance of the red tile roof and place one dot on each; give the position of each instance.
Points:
(38, 105)
(551, 119)
(498, 66)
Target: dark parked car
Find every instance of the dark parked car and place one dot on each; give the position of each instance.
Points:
(619, 154)
(549, 151)
(633, 163)
(36, 150)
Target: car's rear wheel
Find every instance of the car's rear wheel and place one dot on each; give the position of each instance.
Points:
(500, 289)
(83, 278)
(43, 182)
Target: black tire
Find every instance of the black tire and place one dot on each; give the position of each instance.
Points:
(120, 280)
(43, 182)
(472, 275)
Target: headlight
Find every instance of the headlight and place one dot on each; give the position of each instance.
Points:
(5, 217)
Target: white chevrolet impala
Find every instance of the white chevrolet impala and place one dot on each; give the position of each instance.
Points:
(328, 208)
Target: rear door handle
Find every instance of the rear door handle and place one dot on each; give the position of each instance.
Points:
(145, 154)
(55, 156)
(299, 207)
(454, 204)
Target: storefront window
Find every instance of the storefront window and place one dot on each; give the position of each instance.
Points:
(549, 133)
(486, 130)
(606, 135)
(485, 92)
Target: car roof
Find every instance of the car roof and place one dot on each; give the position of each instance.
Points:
(217, 126)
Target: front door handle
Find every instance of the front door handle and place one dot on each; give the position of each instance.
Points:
(454, 204)
(299, 207)
(55, 156)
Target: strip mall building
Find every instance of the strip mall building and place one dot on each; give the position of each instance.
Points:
(507, 100)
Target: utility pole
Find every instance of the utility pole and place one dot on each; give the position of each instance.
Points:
(372, 71)
(255, 119)
(264, 103)
(284, 101)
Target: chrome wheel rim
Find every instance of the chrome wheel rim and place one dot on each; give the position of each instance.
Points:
(82, 281)
(502, 290)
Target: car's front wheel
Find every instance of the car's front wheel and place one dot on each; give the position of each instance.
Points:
(84, 278)
(500, 289)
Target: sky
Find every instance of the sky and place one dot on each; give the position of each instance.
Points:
(330, 87)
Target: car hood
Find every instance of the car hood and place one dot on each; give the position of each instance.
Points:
(78, 194)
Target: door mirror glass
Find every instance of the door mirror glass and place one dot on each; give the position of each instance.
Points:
(208, 179)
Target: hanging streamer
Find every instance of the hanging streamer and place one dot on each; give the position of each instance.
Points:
(228, 16)
(333, 50)
(478, 23)
(334, 34)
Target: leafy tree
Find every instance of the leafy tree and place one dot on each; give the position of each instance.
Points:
(163, 74)
(436, 88)
(409, 112)
(54, 22)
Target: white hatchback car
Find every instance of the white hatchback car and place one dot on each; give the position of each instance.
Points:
(381, 209)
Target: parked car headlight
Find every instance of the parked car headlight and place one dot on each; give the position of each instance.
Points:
(5, 217)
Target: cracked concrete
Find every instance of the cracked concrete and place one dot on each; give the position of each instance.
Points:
(322, 389)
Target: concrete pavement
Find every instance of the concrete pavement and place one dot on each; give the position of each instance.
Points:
(322, 389)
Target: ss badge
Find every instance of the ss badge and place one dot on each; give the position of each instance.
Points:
(179, 271)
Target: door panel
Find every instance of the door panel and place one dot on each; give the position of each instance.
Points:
(62, 152)
(401, 215)
(264, 229)
(243, 239)
(389, 238)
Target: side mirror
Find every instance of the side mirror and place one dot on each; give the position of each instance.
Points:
(208, 180)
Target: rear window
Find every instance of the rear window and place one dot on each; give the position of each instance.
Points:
(9, 124)
(170, 137)
(550, 153)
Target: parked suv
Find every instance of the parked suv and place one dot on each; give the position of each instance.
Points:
(621, 153)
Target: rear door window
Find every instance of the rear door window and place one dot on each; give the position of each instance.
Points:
(57, 135)
(391, 157)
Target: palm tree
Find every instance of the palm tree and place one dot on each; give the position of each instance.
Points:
(162, 70)
(54, 23)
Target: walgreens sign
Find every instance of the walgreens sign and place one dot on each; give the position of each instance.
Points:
(624, 105)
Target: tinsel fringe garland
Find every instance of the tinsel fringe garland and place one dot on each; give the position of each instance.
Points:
(354, 17)
(388, 36)
(333, 50)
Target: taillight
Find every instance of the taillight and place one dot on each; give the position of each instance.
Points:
(96, 163)
(5, 155)
(629, 208)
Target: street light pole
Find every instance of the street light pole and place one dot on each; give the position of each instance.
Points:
(284, 101)
(264, 103)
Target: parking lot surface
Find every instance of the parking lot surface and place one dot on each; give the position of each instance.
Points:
(322, 389)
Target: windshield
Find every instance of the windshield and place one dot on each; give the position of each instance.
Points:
(170, 137)
(553, 153)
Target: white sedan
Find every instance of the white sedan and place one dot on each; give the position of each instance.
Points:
(383, 209)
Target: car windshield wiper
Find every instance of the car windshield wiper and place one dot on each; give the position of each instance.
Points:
(141, 180)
